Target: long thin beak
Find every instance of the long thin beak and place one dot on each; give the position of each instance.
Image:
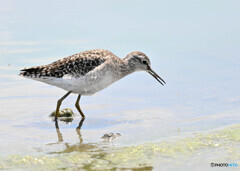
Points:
(157, 77)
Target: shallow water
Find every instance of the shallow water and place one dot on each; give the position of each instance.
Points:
(187, 124)
(155, 134)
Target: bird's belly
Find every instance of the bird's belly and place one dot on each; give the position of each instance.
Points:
(84, 85)
(89, 86)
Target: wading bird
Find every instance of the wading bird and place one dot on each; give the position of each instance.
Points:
(88, 72)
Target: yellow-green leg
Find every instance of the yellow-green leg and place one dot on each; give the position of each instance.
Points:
(59, 104)
(78, 107)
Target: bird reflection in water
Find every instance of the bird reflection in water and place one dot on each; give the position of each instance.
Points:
(76, 147)
(59, 134)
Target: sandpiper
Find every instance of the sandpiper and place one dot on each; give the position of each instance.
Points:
(88, 72)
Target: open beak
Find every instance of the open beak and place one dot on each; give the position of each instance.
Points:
(154, 74)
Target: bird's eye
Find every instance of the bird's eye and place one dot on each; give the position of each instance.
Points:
(144, 62)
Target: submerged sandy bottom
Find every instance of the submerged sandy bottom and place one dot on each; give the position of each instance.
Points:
(193, 151)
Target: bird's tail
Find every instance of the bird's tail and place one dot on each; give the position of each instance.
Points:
(30, 72)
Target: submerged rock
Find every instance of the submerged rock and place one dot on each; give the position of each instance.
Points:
(110, 136)
(65, 115)
(67, 112)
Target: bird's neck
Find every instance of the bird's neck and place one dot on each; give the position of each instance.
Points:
(127, 66)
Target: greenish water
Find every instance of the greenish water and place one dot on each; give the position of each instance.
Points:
(192, 151)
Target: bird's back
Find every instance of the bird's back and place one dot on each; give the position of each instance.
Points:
(75, 65)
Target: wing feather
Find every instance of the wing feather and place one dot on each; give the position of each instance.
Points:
(76, 65)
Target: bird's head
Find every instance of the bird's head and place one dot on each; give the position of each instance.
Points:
(140, 62)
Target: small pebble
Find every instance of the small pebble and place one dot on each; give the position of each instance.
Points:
(110, 136)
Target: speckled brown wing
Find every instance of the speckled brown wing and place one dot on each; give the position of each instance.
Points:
(76, 65)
